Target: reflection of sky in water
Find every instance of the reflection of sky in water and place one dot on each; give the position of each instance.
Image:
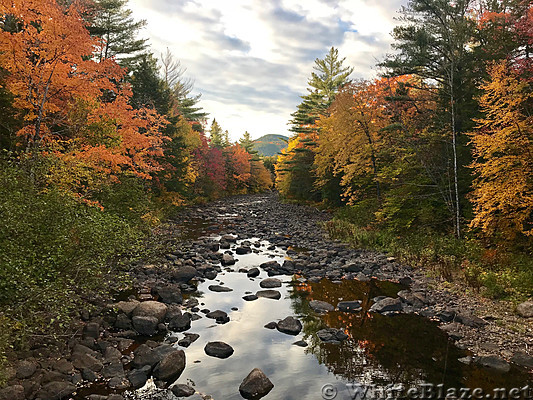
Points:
(404, 348)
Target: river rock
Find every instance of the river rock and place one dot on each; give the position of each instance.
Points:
(57, 390)
(494, 363)
(289, 325)
(171, 366)
(243, 250)
(188, 339)
(269, 294)
(170, 294)
(255, 385)
(144, 325)
(115, 369)
(219, 316)
(250, 297)
(349, 306)
(525, 309)
(270, 283)
(182, 390)
(26, 369)
(219, 288)
(388, 304)
(218, 349)
(331, 335)
(127, 307)
(123, 322)
(138, 377)
(184, 274)
(253, 272)
(91, 330)
(180, 323)
(523, 359)
(227, 259)
(144, 355)
(151, 308)
(82, 361)
(14, 392)
(320, 307)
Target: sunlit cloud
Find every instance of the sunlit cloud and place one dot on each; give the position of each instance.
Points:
(251, 59)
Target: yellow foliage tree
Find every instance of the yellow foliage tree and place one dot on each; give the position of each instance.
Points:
(503, 156)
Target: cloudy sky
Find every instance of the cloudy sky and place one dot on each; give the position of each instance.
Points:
(251, 59)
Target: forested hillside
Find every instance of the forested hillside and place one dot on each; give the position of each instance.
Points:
(270, 145)
(432, 160)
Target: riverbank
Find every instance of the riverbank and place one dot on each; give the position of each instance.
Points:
(211, 248)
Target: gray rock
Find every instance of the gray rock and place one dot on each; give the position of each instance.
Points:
(138, 378)
(227, 259)
(26, 369)
(218, 349)
(151, 309)
(250, 297)
(118, 383)
(253, 272)
(320, 307)
(331, 335)
(171, 366)
(271, 325)
(188, 339)
(170, 294)
(91, 330)
(145, 325)
(86, 361)
(115, 369)
(219, 288)
(269, 283)
(300, 343)
(289, 325)
(255, 385)
(523, 359)
(243, 250)
(180, 323)
(388, 304)
(15, 392)
(220, 316)
(349, 306)
(127, 307)
(416, 299)
(123, 322)
(494, 363)
(56, 390)
(182, 390)
(269, 294)
(184, 274)
(146, 356)
(525, 309)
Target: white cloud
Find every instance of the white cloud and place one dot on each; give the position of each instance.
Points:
(251, 59)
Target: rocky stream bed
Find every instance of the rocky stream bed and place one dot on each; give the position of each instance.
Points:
(254, 301)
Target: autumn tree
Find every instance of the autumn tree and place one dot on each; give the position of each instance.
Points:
(503, 150)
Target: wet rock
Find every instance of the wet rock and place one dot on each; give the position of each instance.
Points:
(465, 360)
(219, 288)
(271, 325)
(255, 385)
(182, 390)
(387, 304)
(15, 392)
(220, 316)
(218, 349)
(227, 259)
(453, 329)
(253, 272)
(184, 274)
(56, 390)
(300, 343)
(146, 356)
(26, 369)
(522, 359)
(145, 325)
(269, 283)
(250, 297)
(171, 366)
(289, 325)
(63, 366)
(89, 375)
(115, 369)
(353, 267)
(150, 308)
(493, 363)
(188, 339)
(118, 383)
(349, 306)
(525, 309)
(170, 294)
(320, 307)
(229, 238)
(269, 294)
(180, 323)
(210, 274)
(86, 361)
(362, 277)
(270, 265)
(243, 250)
(138, 377)
(123, 322)
(331, 335)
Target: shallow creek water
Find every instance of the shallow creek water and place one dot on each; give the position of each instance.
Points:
(381, 350)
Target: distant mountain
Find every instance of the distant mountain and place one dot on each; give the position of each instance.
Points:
(270, 145)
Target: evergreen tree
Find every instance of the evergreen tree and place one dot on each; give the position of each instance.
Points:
(218, 138)
(113, 23)
(248, 144)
